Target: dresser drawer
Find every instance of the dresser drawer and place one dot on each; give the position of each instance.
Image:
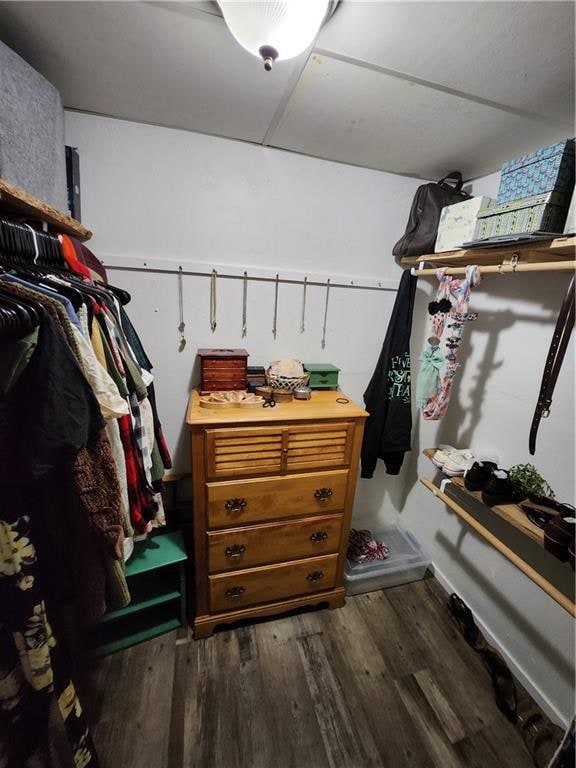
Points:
(272, 498)
(320, 380)
(239, 452)
(273, 542)
(319, 445)
(230, 591)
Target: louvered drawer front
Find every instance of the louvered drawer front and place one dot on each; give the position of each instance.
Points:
(243, 452)
(321, 445)
(273, 542)
(230, 591)
(256, 501)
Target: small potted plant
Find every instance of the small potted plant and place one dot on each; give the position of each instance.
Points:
(527, 478)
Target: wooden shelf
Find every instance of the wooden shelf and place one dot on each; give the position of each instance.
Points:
(151, 602)
(137, 637)
(511, 513)
(156, 552)
(558, 249)
(528, 570)
(18, 201)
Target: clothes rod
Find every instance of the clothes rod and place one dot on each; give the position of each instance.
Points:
(506, 268)
(254, 278)
(514, 558)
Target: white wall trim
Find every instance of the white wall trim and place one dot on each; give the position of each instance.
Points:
(519, 673)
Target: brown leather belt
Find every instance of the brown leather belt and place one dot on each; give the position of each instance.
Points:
(558, 346)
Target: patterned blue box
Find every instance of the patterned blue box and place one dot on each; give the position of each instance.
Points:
(550, 169)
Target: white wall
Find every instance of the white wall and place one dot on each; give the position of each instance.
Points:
(502, 358)
(154, 193)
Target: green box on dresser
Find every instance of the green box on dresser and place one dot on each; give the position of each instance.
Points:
(322, 375)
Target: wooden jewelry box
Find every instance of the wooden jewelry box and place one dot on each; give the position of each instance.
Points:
(223, 369)
(273, 490)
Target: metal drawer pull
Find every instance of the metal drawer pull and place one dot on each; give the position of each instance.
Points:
(323, 494)
(235, 505)
(315, 576)
(318, 537)
(235, 591)
(236, 550)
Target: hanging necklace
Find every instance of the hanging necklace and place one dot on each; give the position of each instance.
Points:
(182, 326)
(275, 321)
(244, 303)
(213, 300)
(325, 313)
(303, 316)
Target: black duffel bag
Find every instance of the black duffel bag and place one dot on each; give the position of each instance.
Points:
(422, 228)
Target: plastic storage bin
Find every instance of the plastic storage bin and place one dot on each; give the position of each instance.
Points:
(407, 562)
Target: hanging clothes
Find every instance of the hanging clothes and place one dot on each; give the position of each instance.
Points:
(82, 455)
(388, 397)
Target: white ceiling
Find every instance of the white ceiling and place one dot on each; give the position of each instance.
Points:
(410, 87)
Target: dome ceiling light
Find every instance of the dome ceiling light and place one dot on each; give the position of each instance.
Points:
(275, 29)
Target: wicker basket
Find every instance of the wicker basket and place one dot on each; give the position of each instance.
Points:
(286, 382)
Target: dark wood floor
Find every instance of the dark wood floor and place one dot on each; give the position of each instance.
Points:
(386, 681)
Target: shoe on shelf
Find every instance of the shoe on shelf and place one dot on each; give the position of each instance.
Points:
(476, 476)
(457, 463)
(443, 452)
(548, 504)
(559, 537)
(499, 489)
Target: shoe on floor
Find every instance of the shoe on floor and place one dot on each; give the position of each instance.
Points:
(476, 476)
(499, 489)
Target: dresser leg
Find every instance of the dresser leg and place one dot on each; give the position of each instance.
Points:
(203, 629)
(338, 601)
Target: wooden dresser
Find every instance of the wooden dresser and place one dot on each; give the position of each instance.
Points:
(273, 490)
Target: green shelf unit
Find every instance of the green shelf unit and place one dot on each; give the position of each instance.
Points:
(156, 579)
(137, 637)
(141, 606)
(156, 552)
